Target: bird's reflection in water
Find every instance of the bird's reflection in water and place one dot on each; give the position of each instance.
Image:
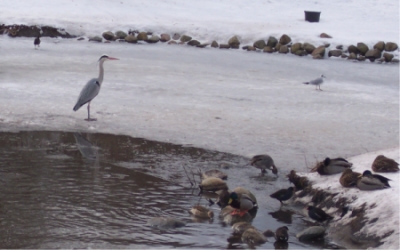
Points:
(284, 216)
(87, 149)
(281, 245)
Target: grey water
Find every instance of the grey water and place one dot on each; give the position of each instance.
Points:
(71, 190)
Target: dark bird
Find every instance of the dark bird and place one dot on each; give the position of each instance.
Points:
(318, 214)
(317, 82)
(384, 164)
(92, 88)
(36, 42)
(242, 205)
(300, 182)
(264, 162)
(349, 178)
(281, 234)
(332, 166)
(283, 194)
(369, 181)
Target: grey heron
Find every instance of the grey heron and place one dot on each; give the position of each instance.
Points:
(92, 88)
(36, 42)
(317, 82)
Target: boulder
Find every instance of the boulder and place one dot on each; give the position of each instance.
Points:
(260, 44)
(335, 53)
(361, 58)
(319, 51)
(272, 41)
(389, 46)
(373, 54)
(153, 39)
(395, 60)
(285, 39)
(202, 45)
(193, 43)
(120, 34)
(142, 36)
(309, 48)
(339, 47)
(172, 42)
(344, 56)
(363, 48)
(295, 47)
(234, 42)
(251, 48)
(388, 57)
(268, 49)
(283, 49)
(214, 44)
(185, 38)
(131, 39)
(353, 49)
(317, 56)
(176, 36)
(327, 45)
(324, 35)
(278, 46)
(108, 35)
(381, 60)
(80, 38)
(95, 39)
(224, 46)
(165, 37)
(301, 52)
(34, 31)
(380, 45)
(352, 56)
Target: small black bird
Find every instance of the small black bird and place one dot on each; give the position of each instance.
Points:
(318, 214)
(281, 234)
(283, 194)
(37, 41)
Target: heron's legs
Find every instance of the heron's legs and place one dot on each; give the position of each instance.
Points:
(88, 114)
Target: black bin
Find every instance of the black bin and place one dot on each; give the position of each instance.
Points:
(312, 16)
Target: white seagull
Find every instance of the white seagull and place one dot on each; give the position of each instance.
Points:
(317, 82)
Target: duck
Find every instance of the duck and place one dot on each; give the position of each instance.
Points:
(369, 181)
(214, 173)
(300, 182)
(242, 205)
(384, 164)
(281, 234)
(240, 227)
(212, 184)
(318, 214)
(202, 212)
(333, 166)
(264, 162)
(36, 42)
(283, 194)
(224, 196)
(349, 178)
(253, 237)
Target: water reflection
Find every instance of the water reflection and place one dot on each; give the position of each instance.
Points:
(281, 215)
(87, 149)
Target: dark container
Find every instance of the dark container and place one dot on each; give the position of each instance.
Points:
(312, 16)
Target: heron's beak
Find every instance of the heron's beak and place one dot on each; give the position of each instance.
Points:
(112, 58)
(230, 201)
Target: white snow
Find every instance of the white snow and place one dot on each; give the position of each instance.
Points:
(228, 100)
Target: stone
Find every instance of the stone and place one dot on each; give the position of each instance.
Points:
(176, 36)
(278, 46)
(373, 54)
(172, 42)
(353, 49)
(34, 31)
(251, 48)
(193, 43)
(352, 56)
(80, 38)
(388, 57)
(142, 36)
(272, 41)
(324, 35)
(317, 56)
(380, 45)
(309, 48)
(234, 41)
(153, 39)
(363, 48)
(235, 46)
(335, 53)
(344, 56)
(108, 35)
(361, 58)
(214, 44)
(260, 44)
(327, 45)
(395, 60)
(224, 46)
(319, 51)
(295, 47)
(391, 46)
(285, 39)
(202, 45)
(185, 38)
(268, 49)
(339, 47)
(95, 39)
(165, 37)
(120, 34)
(131, 39)
(300, 52)
(284, 49)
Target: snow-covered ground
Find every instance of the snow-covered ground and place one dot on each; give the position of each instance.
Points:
(232, 101)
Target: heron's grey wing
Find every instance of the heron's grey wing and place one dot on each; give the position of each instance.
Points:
(317, 81)
(89, 91)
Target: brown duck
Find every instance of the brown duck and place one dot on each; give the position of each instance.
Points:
(384, 164)
(349, 178)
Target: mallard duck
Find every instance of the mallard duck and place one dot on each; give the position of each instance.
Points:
(281, 234)
(202, 212)
(283, 194)
(253, 237)
(212, 184)
(214, 173)
(384, 164)
(226, 211)
(318, 214)
(264, 162)
(242, 204)
(224, 196)
(369, 181)
(240, 227)
(349, 178)
(333, 166)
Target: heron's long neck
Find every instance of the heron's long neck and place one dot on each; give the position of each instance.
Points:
(101, 72)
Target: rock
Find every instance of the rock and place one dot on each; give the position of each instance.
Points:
(285, 39)
(272, 41)
(363, 48)
(380, 60)
(284, 49)
(319, 51)
(251, 48)
(391, 46)
(142, 36)
(214, 44)
(373, 54)
(295, 47)
(301, 52)
(234, 41)
(260, 44)
(268, 49)
(278, 46)
(380, 45)
(202, 45)
(324, 35)
(120, 34)
(80, 38)
(165, 37)
(388, 57)
(108, 35)
(185, 38)
(172, 42)
(317, 56)
(352, 56)
(193, 43)
(395, 60)
(339, 47)
(224, 46)
(235, 46)
(353, 49)
(309, 48)
(335, 53)
(311, 233)
(327, 45)
(95, 39)
(153, 39)
(361, 58)
(176, 36)
(344, 56)
(131, 39)
(34, 31)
